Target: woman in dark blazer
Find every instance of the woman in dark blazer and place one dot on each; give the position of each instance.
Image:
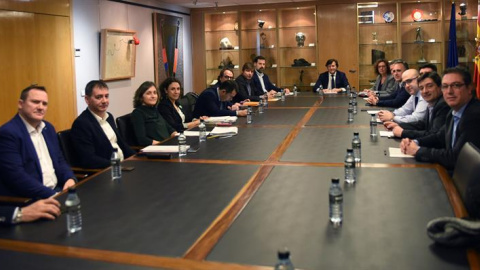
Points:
(170, 108)
(385, 81)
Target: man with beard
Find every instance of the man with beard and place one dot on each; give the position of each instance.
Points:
(261, 80)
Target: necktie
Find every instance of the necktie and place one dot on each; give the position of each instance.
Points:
(456, 119)
(332, 82)
(416, 102)
(249, 89)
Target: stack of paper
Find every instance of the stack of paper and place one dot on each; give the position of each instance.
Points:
(162, 149)
(224, 131)
(384, 133)
(396, 152)
(192, 133)
(221, 119)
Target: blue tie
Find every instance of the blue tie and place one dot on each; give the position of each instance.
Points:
(416, 102)
(456, 119)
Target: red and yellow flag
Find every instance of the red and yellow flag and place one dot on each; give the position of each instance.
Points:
(476, 72)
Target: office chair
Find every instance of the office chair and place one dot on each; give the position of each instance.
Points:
(125, 127)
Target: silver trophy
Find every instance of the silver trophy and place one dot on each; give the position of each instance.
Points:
(300, 38)
(374, 37)
(419, 40)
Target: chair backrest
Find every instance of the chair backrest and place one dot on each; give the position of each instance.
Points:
(188, 104)
(66, 144)
(466, 178)
(125, 127)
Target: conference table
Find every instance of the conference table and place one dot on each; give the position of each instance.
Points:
(235, 201)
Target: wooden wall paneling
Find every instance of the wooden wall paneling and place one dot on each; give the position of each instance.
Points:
(198, 51)
(337, 38)
(55, 7)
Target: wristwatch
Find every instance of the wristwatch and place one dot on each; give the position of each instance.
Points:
(18, 216)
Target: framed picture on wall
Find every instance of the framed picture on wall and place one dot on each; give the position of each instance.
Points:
(117, 54)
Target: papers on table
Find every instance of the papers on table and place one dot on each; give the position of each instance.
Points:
(329, 91)
(192, 133)
(395, 152)
(162, 149)
(373, 111)
(224, 131)
(220, 119)
(251, 103)
(384, 133)
(365, 98)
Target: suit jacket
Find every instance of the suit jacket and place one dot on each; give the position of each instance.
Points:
(20, 171)
(170, 114)
(209, 104)
(438, 148)
(341, 80)
(91, 144)
(268, 84)
(394, 100)
(242, 92)
(388, 86)
(6, 214)
(427, 126)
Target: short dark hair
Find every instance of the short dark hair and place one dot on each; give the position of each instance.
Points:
(138, 96)
(24, 93)
(166, 83)
(228, 86)
(467, 78)
(432, 75)
(248, 66)
(400, 61)
(93, 84)
(330, 61)
(222, 72)
(428, 65)
(255, 60)
(386, 64)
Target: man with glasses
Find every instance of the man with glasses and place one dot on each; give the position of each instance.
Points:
(400, 95)
(461, 126)
(415, 107)
(217, 101)
(261, 80)
(437, 109)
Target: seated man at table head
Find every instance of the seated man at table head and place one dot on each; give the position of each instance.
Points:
(148, 124)
(460, 127)
(261, 80)
(216, 101)
(246, 87)
(31, 160)
(400, 95)
(434, 119)
(94, 133)
(415, 107)
(47, 209)
(332, 78)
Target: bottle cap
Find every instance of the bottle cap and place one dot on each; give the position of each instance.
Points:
(72, 190)
(355, 133)
(349, 150)
(283, 254)
(335, 180)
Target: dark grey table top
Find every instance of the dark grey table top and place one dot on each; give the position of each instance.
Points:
(274, 117)
(384, 221)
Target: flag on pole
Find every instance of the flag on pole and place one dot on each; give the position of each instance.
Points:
(476, 73)
(452, 59)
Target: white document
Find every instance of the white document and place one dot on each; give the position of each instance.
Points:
(162, 149)
(384, 133)
(193, 133)
(224, 131)
(219, 119)
(395, 152)
(373, 111)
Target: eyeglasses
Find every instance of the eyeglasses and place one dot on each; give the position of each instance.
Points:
(454, 86)
(227, 77)
(409, 81)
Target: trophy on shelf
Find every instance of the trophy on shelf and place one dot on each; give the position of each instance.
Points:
(374, 37)
(300, 38)
(225, 44)
(263, 40)
(419, 40)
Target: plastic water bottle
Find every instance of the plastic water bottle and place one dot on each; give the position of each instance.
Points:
(357, 147)
(116, 166)
(373, 126)
(350, 176)
(295, 90)
(202, 136)
(265, 101)
(182, 145)
(354, 103)
(249, 115)
(284, 262)
(74, 214)
(261, 103)
(335, 195)
(350, 112)
(283, 95)
(320, 90)
(348, 90)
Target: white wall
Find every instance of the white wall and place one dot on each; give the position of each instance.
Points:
(90, 16)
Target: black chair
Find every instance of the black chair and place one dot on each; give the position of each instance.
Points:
(68, 151)
(188, 104)
(125, 127)
(466, 178)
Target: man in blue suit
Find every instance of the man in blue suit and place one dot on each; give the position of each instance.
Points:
(46, 209)
(94, 133)
(332, 78)
(216, 101)
(261, 80)
(31, 161)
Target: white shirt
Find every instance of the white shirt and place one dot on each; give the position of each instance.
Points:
(108, 130)
(48, 172)
(260, 78)
(409, 112)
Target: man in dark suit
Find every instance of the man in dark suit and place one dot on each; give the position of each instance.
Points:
(48, 209)
(437, 109)
(94, 134)
(216, 101)
(332, 78)
(261, 80)
(460, 127)
(398, 98)
(246, 87)
(31, 161)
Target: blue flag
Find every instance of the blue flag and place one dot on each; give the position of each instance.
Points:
(452, 59)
